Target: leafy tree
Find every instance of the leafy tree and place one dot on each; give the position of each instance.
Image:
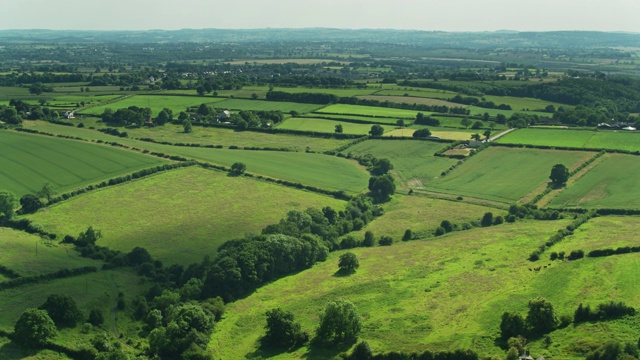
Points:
(475, 137)
(7, 205)
(63, 310)
(46, 191)
(163, 118)
(421, 133)
(487, 219)
(385, 241)
(348, 263)
(381, 166)
(369, 239)
(30, 203)
(487, 134)
(465, 122)
(183, 116)
(96, 317)
(559, 174)
(512, 325)
(88, 237)
(238, 168)
(541, 318)
(36, 88)
(512, 354)
(200, 90)
(477, 125)
(400, 123)
(10, 116)
(376, 130)
(382, 187)
(186, 126)
(34, 329)
(282, 330)
(339, 323)
(339, 129)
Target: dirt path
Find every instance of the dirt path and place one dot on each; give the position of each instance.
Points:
(499, 135)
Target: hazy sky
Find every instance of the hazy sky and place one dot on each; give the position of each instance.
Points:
(447, 15)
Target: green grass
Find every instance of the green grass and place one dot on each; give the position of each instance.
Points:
(28, 161)
(518, 103)
(446, 121)
(605, 232)
(337, 92)
(355, 118)
(612, 183)
(425, 92)
(343, 109)
(615, 140)
(505, 175)
(443, 294)
(413, 161)
(243, 104)
(327, 126)
(441, 132)
(475, 110)
(181, 215)
(156, 103)
(411, 100)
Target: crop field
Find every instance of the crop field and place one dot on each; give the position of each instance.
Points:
(344, 109)
(355, 118)
(337, 92)
(505, 175)
(475, 110)
(615, 140)
(441, 132)
(327, 126)
(28, 161)
(156, 103)
(277, 61)
(446, 293)
(30, 255)
(11, 92)
(612, 183)
(412, 160)
(426, 93)
(447, 121)
(200, 209)
(518, 103)
(604, 232)
(411, 100)
(285, 107)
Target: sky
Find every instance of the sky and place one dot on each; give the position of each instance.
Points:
(442, 15)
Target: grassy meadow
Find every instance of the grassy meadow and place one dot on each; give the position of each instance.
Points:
(505, 175)
(28, 161)
(612, 183)
(285, 107)
(445, 293)
(344, 109)
(181, 215)
(615, 140)
(410, 100)
(605, 232)
(155, 102)
(327, 126)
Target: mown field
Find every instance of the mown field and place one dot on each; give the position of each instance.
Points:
(505, 175)
(181, 215)
(344, 109)
(413, 160)
(28, 161)
(612, 183)
(155, 102)
(425, 92)
(476, 110)
(411, 100)
(446, 293)
(605, 232)
(441, 132)
(615, 140)
(355, 118)
(327, 126)
(285, 107)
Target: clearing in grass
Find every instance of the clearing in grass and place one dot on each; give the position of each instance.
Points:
(612, 183)
(181, 215)
(28, 161)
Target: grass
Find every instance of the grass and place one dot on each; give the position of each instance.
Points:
(343, 109)
(327, 126)
(443, 294)
(28, 161)
(441, 132)
(285, 107)
(411, 100)
(337, 92)
(605, 232)
(505, 175)
(518, 103)
(425, 92)
(19, 254)
(413, 161)
(615, 140)
(475, 110)
(156, 103)
(355, 118)
(181, 215)
(612, 183)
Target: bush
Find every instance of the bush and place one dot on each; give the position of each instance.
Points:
(385, 241)
(408, 235)
(96, 317)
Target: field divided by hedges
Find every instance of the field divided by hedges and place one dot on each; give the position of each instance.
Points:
(614, 140)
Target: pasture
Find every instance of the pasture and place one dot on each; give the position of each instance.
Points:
(181, 215)
(476, 110)
(155, 102)
(612, 183)
(285, 107)
(412, 160)
(337, 92)
(411, 100)
(441, 132)
(344, 109)
(327, 126)
(604, 232)
(442, 294)
(614, 140)
(28, 161)
(418, 92)
(355, 118)
(505, 175)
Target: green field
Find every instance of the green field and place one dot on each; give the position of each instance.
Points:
(337, 92)
(180, 215)
(475, 110)
(605, 232)
(455, 122)
(505, 175)
(327, 126)
(441, 132)
(343, 109)
(355, 118)
(426, 92)
(447, 293)
(413, 161)
(156, 103)
(518, 103)
(615, 140)
(612, 183)
(411, 100)
(285, 107)
(28, 161)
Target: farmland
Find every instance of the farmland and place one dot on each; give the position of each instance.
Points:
(505, 174)
(607, 232)
(612, 183)
(342, 109)
(243, 104)
(201, 209)
(155, 103)
(615, 140)
(28, 161)
(411, 100)
(326, 126)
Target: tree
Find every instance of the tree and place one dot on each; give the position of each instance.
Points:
(348, 263)
(487, 219)
(7, 205)
(200, 90)
(465, 122)
(339, 129)
(34, 329)
(487, 134)
(29, 204)
(238, 168)
(46, 191)
(559, 174)
(96, 317)
(369, 239)
(339, 323)
(62, 309)
(10, 116)
(282, 330)
(186, 125)
(408, 234)
(382, 187)
(422, 133)
(376, 130)
(381, 166)
(163, 118)
(475, 137)
(400, 123)
(541, 318)
(512, 325)
(36, 89)
(183, 116)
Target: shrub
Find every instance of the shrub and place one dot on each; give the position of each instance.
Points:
(385, 241)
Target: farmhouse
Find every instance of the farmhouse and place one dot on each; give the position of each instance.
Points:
(69, 115)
